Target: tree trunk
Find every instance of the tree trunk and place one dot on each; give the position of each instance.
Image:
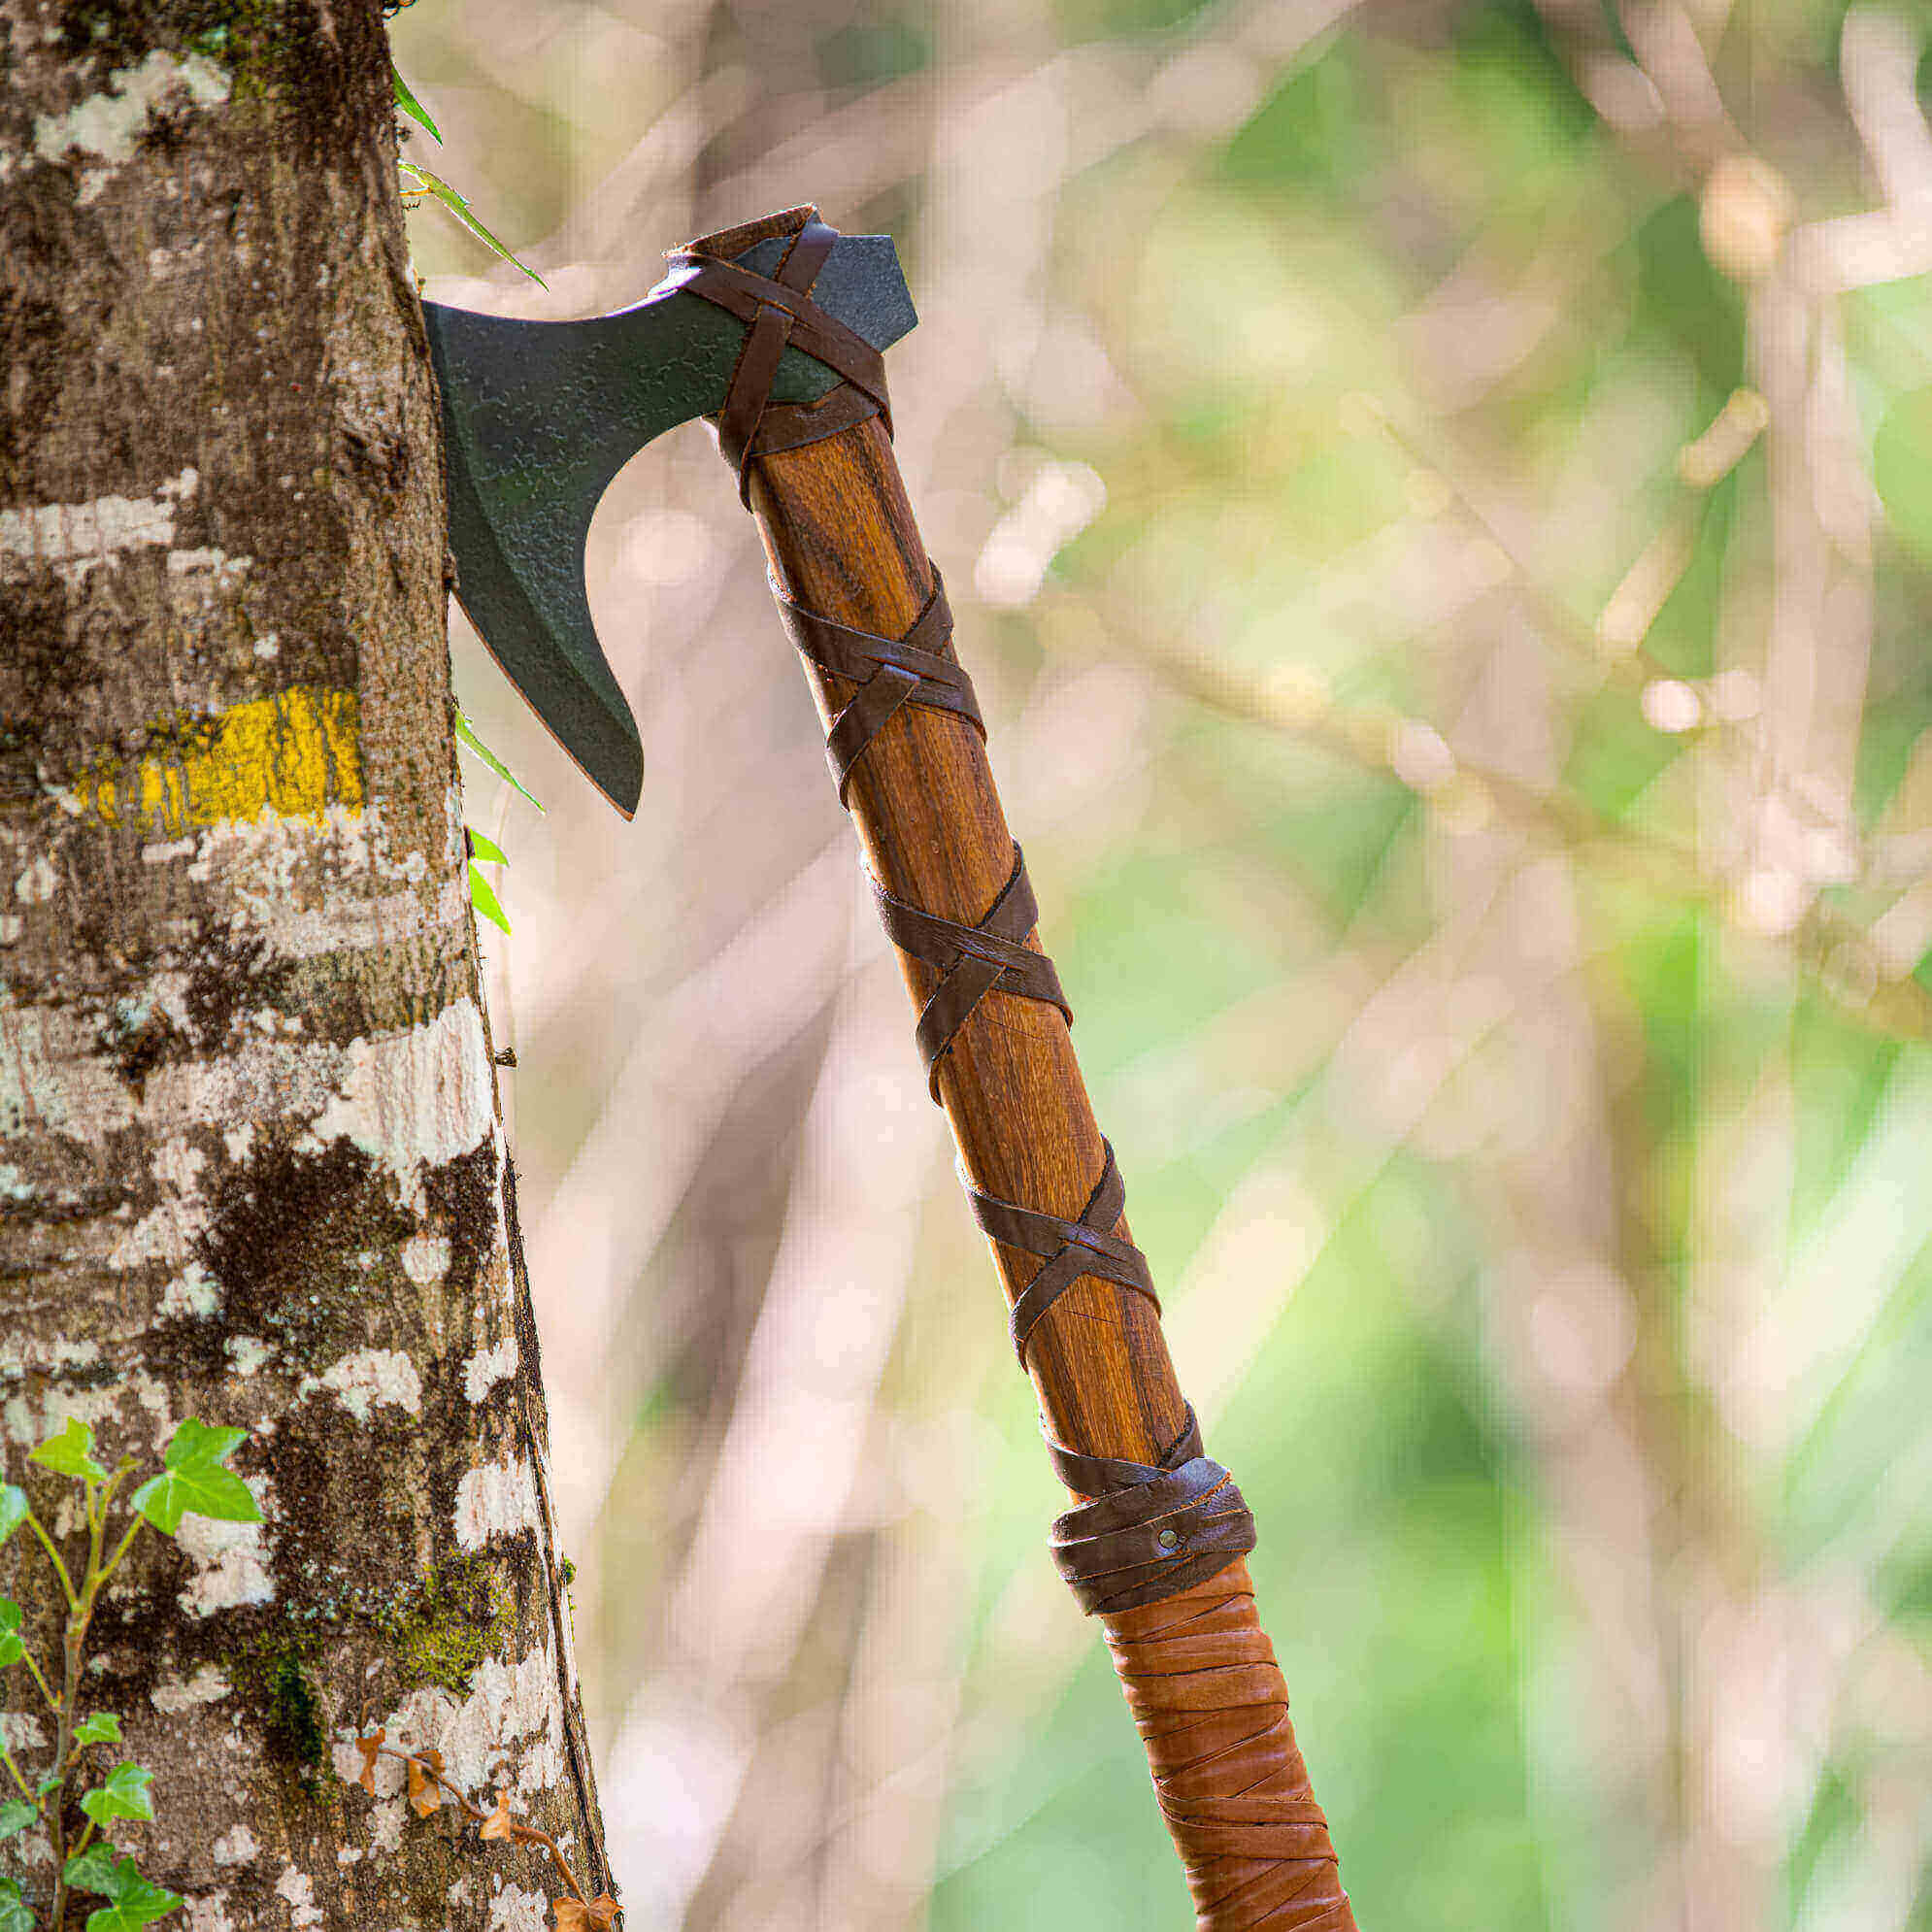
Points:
(252, 1170)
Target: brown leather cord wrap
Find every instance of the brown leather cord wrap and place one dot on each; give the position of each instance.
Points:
(1212, 1712)
(890, 671)
(1070, 1250)
(1156, 1549)
(972, 961)
(1147, 1532)
(782, 313)
(792, 425)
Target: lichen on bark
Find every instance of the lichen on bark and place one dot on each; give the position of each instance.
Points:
(250, 1162)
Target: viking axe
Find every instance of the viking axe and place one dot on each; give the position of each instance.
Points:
(775, 331)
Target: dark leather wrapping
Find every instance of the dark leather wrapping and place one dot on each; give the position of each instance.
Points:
(890, 671)
(1156, 1551)
(792, 425)
(972, 961)
(782, 313)
(1068, 1249)
(1147, 1532)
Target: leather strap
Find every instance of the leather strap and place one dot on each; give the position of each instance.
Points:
(792, 425)
(890, 671)
(1068, 1249)
(972, 961)
(781, 313)
(1148, 1532)
(1211, 1707)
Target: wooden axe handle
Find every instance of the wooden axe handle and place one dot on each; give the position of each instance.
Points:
(1197, 1670)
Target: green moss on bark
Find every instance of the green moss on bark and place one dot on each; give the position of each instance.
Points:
(440, 1630)
(294, 1724)
(274, 1675)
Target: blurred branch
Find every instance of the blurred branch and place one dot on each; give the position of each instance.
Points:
(1297, 702)
(1124, 87)
(1879, 54)
(1459, 792)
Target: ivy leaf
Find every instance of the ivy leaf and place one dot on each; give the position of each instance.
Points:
(102, 1728)
(12, 1508)
(123, 1794)
(71, 1453)
(142, 1906)
(92, 1870)
(483, 849)
(434, 184)
(49, 1784)
(16, 1815)
(409, 105)
(11, 1650)
(466, 734)
(482, 896)
(14, 1913)
(135, 1902)
(193, 1483)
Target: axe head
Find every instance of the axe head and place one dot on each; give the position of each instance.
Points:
(539, 416)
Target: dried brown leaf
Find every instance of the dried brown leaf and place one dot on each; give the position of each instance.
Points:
(599, 1916)
(424, 1796)
(369, 1746)
(499, 1823)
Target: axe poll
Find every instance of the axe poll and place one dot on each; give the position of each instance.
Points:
(775, 331)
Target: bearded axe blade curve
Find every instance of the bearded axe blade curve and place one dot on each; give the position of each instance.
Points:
(539, 416)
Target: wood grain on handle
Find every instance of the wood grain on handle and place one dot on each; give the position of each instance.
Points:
(1199, 1673)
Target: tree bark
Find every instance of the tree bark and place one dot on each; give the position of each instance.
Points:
(252, 1168)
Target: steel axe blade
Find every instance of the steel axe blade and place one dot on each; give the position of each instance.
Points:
(539, 416)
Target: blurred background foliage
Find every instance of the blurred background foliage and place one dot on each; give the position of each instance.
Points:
(1438, 498)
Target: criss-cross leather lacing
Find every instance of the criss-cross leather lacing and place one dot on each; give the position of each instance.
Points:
(1154, 1549)
(972, 961)
(888, 672)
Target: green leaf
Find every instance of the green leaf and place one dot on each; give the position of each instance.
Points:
(71, 1453)
(135, 1902)
(14, 1913)
(16, 1815)
(49, 1784)
(482, 896)
(409, 105)
(92, 1870)
(435, 184)
(1902, 469)
(485, 848)
(193, 1483)
(140, 1905)
(466, 734)
(11, 1650)
(102, 1728)
(12, 1508)
(123, 1794)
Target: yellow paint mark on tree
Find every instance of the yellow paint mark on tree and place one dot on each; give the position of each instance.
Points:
(296, 752)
